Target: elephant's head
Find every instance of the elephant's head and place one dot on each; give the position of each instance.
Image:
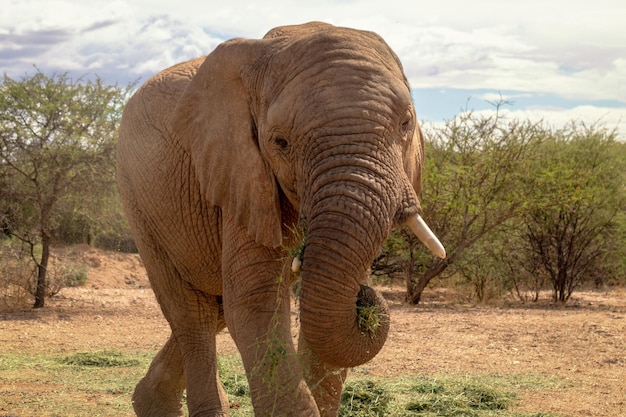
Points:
(322, 117)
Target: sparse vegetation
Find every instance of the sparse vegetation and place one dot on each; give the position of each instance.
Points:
(111, 375)
(100, 340)
(18, 274)
(296, 252)
(99, 359)
(364, 398)
(520, 208)
(57, 138)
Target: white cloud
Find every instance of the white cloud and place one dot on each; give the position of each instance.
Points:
(574, 49)
(557, 118)
(609, 118)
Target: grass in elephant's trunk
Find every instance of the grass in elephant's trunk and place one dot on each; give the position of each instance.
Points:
(369, 315)
(344, 322)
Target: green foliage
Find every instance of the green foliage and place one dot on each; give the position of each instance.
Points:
(570, 228)
(57, 147)
(54, 388)
(519, 206)
(482, 397)
(57, 139)
(76, 276)
(429, 386)
(459, 399)
(299, 236)
(473, 183)
(63, 273)
(432, 396)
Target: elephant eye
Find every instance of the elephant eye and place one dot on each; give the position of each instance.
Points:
(405, 127)
(407, 124)
(281, 143)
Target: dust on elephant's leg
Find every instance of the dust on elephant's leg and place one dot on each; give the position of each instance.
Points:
(160, 392)
(326, 381)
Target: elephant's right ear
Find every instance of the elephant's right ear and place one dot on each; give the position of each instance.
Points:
(214, 123)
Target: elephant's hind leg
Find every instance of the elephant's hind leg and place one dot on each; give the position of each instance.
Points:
(160, 392)
(195, 334)
(189, 359)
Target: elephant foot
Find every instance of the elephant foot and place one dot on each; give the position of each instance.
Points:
(149, 403)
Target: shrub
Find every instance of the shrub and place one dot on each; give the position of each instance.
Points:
(16, 271)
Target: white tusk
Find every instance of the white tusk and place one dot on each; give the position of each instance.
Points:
(423, 233)
(295, 265)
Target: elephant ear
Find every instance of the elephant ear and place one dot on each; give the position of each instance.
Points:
(214, 123)
(414, 161)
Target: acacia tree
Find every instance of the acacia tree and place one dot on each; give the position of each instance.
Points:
(571, 233)
(57, 139)
(474, 183)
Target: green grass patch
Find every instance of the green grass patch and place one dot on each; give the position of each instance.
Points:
(461, 399)
(236, 385)
(364, 398)
(438, 397)
(101, 359)
(101, 383)
(96, 383)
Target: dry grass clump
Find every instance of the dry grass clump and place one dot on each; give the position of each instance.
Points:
(364, 398)
(100, 359)
(369, 318)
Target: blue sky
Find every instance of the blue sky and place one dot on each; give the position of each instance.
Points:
(551, 59)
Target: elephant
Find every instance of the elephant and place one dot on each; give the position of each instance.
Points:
(305, 139)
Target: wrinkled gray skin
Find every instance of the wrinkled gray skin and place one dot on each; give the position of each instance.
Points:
(219, 158)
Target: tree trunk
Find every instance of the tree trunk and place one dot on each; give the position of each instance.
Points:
(42, 270)
(414, 289)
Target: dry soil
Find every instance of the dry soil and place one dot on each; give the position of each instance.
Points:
(580, 345)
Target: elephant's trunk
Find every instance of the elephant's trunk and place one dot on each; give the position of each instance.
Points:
(345, 322)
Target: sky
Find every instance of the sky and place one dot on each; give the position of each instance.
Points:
(551, 60)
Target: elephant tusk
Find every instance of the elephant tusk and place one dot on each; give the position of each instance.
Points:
(419, 227)
(296, 264)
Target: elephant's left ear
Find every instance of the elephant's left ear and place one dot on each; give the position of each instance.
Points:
(414, 161)
(214, 123)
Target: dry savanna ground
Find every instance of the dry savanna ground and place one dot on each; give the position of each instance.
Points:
(580, 346)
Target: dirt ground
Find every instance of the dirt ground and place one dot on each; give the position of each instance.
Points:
(581, 346)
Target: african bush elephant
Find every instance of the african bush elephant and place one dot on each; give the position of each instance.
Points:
(222, 162)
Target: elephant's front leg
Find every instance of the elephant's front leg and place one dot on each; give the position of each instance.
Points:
(256, 307)
(325, 381)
